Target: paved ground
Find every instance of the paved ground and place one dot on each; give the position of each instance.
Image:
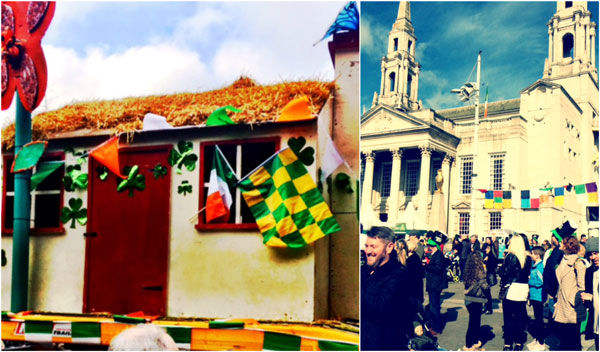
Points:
(457, 319)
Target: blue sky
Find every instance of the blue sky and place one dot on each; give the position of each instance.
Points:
(512, 35)
(107, 50)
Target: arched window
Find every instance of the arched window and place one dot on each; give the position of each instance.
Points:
(392, 81)
(567, 42)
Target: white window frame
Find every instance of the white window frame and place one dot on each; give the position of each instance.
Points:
(495, 220)
(496, 173)
(409, 166)
(462, 219)
(385, 173)
(466, 180)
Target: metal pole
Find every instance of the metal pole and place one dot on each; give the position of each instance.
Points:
(473, 188)
(22, 209)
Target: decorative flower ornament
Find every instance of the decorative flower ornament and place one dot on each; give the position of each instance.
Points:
(23, 63)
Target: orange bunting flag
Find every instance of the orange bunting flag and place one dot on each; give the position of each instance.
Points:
(296, 110)
(107, 154)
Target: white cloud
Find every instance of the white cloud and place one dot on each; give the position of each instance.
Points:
(373, 38)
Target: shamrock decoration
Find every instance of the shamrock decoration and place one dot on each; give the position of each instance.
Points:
(74, 213)
(184, 188)
(342, 182)
(306, 156)
(159, 171)
(102, 172)
(183, 157)
(133, 181)
(75, 178)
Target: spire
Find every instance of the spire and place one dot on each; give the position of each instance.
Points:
(404, 10)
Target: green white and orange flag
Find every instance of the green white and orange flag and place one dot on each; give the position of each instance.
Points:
(221, 180)
(485, 110)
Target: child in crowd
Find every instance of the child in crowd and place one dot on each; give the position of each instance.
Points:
(537, 297)
(422, 342)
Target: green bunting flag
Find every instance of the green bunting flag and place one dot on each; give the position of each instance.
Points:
(287, 206)
(220, 118)
(44, 170)
(28, 156)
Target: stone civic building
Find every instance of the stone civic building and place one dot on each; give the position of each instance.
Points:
(547, 137)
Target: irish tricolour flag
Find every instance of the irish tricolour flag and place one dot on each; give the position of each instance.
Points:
(222, 179)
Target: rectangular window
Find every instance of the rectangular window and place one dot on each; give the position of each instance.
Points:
(411, 185)
(243, 157)
(466, 174)
(464, 223)
(46, 199)
(497, 171)
(395, 44)
(495, 220)
(436, 164)
(386, 179)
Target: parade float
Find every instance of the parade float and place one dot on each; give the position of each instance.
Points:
(129, 223)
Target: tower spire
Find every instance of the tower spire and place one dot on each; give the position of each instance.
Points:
(404, 10)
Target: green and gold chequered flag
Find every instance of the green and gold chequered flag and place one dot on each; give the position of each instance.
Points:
(287, 206)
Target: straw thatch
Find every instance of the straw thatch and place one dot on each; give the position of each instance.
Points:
(258, 104)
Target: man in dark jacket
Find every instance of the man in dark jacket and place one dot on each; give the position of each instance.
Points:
(464, 253)
(383, 284)
(435, 274)
(475, 245)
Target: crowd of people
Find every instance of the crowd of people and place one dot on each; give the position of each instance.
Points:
(561, 274)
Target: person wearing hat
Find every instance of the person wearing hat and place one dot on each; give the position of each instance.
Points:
(591, 288)
(384, 326)
(552, 259)
(435, 275)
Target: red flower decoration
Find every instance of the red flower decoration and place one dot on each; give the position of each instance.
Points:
(23, 62)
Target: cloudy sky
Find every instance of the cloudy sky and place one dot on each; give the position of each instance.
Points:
(106, 50)
(512, 35)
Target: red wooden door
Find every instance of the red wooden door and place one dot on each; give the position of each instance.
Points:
(127, 244)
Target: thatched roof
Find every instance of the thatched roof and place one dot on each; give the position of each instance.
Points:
(258, 104)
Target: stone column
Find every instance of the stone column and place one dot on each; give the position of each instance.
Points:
(593, 46)
(367, 187)
(395, 186)
(557, 48)
(424, 181)
(550, 40)
(446, 174)
(416, 84)
(382, 90)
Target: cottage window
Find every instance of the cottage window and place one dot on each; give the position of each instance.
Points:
(466, 174)
(497, 171)
(46, 199)
(464, 223)
(495, 220)
(243, 156)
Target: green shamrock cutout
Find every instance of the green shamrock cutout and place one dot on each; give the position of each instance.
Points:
(184, 188)
(342, 182)
(102, 172)
(81, 155)
(306, 156)
(75, 178)
(184, 156)
(133, 181)
(159, 171)
(74, 213)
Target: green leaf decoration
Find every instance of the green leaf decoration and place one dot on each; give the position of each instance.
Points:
(306, 156)
(28, 156)
(134, 181)
(102, 172)
(342, 182)
(184, 156)
(74, 213)
(75, 178)
(159, 171)
(184, 188)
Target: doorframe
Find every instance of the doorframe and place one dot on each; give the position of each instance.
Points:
(91, 181)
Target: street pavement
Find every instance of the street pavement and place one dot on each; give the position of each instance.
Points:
(457, 319)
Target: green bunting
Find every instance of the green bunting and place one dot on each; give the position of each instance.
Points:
(44, 170)
(28, 156)
(220, 118)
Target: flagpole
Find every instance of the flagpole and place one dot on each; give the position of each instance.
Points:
(475, 144)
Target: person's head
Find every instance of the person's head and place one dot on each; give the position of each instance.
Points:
(411, 246)
(525, 242)
(379, 246)
(592, 250)
(488, 240)
(473, 269)
(143, 337)
(537, 253)
(473, 238)
(413, 237)
(493, 238)
(570, 245)
(516, 246)
(418, 328)
(401, 251)
(582, 239)
(464, 236)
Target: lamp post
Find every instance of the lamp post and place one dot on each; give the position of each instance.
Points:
(468, 91)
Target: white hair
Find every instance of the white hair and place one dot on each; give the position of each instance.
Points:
(143, 337)
(516, 246)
